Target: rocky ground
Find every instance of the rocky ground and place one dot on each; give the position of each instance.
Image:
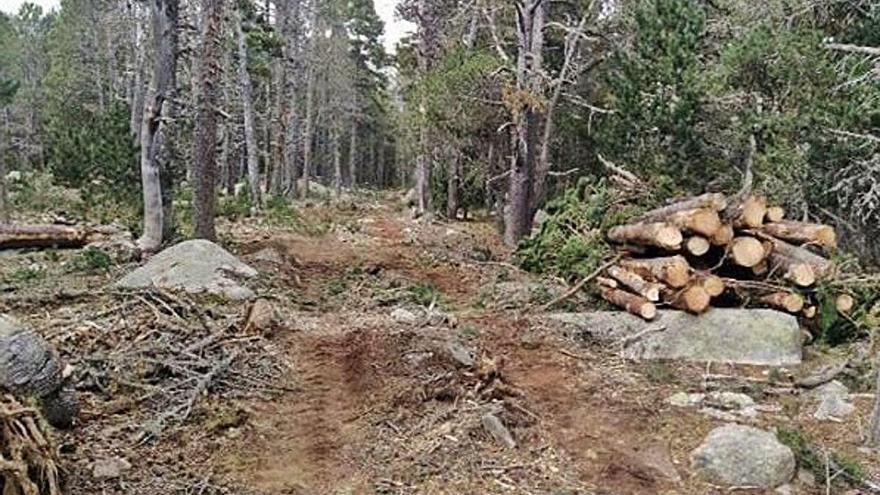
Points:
(390, 356)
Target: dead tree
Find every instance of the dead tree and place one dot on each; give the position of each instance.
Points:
(155, 153)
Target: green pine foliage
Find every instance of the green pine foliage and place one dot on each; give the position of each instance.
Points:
(95, 151)
(657, 90)
(570, 242)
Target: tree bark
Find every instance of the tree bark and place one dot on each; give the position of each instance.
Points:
(247, 102)
(875, 417)
(452, 187)
(337, 163)
(206, 120)
(155, 154)
(519, 211)
(634, 304)
(352, 156)
(661, 235)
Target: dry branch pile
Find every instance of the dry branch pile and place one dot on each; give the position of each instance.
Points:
(156, 354)
(28, 463)
(712, 249)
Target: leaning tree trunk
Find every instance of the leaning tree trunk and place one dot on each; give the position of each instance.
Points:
(155, 154)
(206, 120)
(247, 101)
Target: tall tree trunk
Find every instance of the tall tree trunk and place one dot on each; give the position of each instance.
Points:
(337, 163)
(875, 418)
(206, 120)
(352, 156)
(247, 103)
(452, 185)
(429, 16)
(155, 154)
(4, 198)
(308, 137)
(530, 28)
(138, 89)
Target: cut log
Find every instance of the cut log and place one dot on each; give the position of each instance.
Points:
(802, 232)
(844, 303)
(762, 268)
(723, 235)
(634, 282)
(634, 304)
(746, 251)
(606, 282)
(711, 201)
(660, 234)
(809, 312)
(797, 272)
(775, 214)
(704, 222)
(751, 213)
(673, 270)
(697, 245)
(713, 284)
(786, 301)
(693, 298)
(17, 236)
(821, 266)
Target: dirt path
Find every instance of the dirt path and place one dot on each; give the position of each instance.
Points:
(382, 406)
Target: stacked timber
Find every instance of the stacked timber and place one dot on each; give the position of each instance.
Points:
(714, 250)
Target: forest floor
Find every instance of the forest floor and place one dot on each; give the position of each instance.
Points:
(374, 309)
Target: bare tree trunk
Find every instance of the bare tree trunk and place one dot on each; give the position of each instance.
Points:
(139, 90)
(452, 186)
(519, 214)
(154, 145)
(337, 164)
(4, 199)
(206, 120)
(308, 137)
(429, 16)
(247, 103)
(875, 418)
(352, 157)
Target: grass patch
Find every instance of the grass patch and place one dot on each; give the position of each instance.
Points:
(813, 459)
(91, 260)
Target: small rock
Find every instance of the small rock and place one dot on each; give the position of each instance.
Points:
(268, 255)
(730, 400)
(833, 400)
(108, 469)
(684, 399)
(404, 316)
(785, 490)
(498, 431)
(805, 477)
(738, 455)
(462, 355)
(261, 318)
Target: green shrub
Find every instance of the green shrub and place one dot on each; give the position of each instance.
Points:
(571, 241)
(812, 459)
(91, 260)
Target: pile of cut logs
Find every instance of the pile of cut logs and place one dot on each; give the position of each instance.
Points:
(714, 250)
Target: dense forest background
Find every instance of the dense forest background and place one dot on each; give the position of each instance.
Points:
(154, 109)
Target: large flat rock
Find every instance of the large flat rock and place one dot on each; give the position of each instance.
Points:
(193, 266)
(742, 336)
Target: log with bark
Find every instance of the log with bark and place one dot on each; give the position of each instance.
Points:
(767, 261)
(634, 304)
(674, 271)
(659, 234)
(634, 282)
(19, 236)
(802, 233)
